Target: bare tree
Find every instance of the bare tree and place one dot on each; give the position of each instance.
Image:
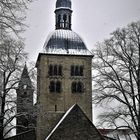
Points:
(12, 15)
(11, 61)
(117, 79)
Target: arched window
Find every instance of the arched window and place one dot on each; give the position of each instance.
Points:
(81, 71)
(58, 87)
(55, 86)
(55, 70)
(59, 19)
(64, 19)
(80, 87)
(77, 87)
(52, 86)
(77, 70)
(50, 72)
(73, 87)
(60, 70)
(72, 70)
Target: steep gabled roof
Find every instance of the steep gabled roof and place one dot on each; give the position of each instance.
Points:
(74, 125)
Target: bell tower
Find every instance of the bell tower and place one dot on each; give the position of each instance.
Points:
(25, 119)
(63, 73)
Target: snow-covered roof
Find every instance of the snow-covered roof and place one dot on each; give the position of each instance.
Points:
(65, 42)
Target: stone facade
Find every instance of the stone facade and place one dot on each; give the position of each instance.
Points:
(48, 102)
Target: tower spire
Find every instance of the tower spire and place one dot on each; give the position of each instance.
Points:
(25, 102)
(25, 79)
(63, 14)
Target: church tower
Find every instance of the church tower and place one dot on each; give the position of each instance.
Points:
(63, 73)
(25, 107)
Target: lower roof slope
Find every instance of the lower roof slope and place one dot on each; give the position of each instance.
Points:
(74, 125)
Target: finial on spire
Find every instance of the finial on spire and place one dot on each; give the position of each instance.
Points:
(25, 79)
(63, 3)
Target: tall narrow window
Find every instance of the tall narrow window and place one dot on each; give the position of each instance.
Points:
(55, 108)
(64, 19)
(80, 87)
(72, 70)
(55, 70)
(58, 87)
(73, 87)
(60, 70)
(55, 86)
(81, 71)
(50, 70)
(77, 87)
(59, 19)
(77, 70)
(52, 86)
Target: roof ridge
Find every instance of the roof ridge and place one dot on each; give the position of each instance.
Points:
(67, 112)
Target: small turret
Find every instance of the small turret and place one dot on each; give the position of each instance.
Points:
(63, 14)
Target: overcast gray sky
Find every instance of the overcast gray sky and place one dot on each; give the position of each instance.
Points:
(93, 20)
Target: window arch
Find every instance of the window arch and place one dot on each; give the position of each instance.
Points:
(55, 86)
(81, 70)
(59, 19)
(60, 70)
(77, 70)
(52, 86)
(73, 87)
(58, 87)
(65, 19)
(50, 70)
(72, 70)
(80, 87)
(77, 87)
(55, 70)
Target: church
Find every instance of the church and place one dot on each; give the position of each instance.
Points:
(64, 87)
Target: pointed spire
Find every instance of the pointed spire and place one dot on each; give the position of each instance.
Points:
(25, 71)
(25, 79)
